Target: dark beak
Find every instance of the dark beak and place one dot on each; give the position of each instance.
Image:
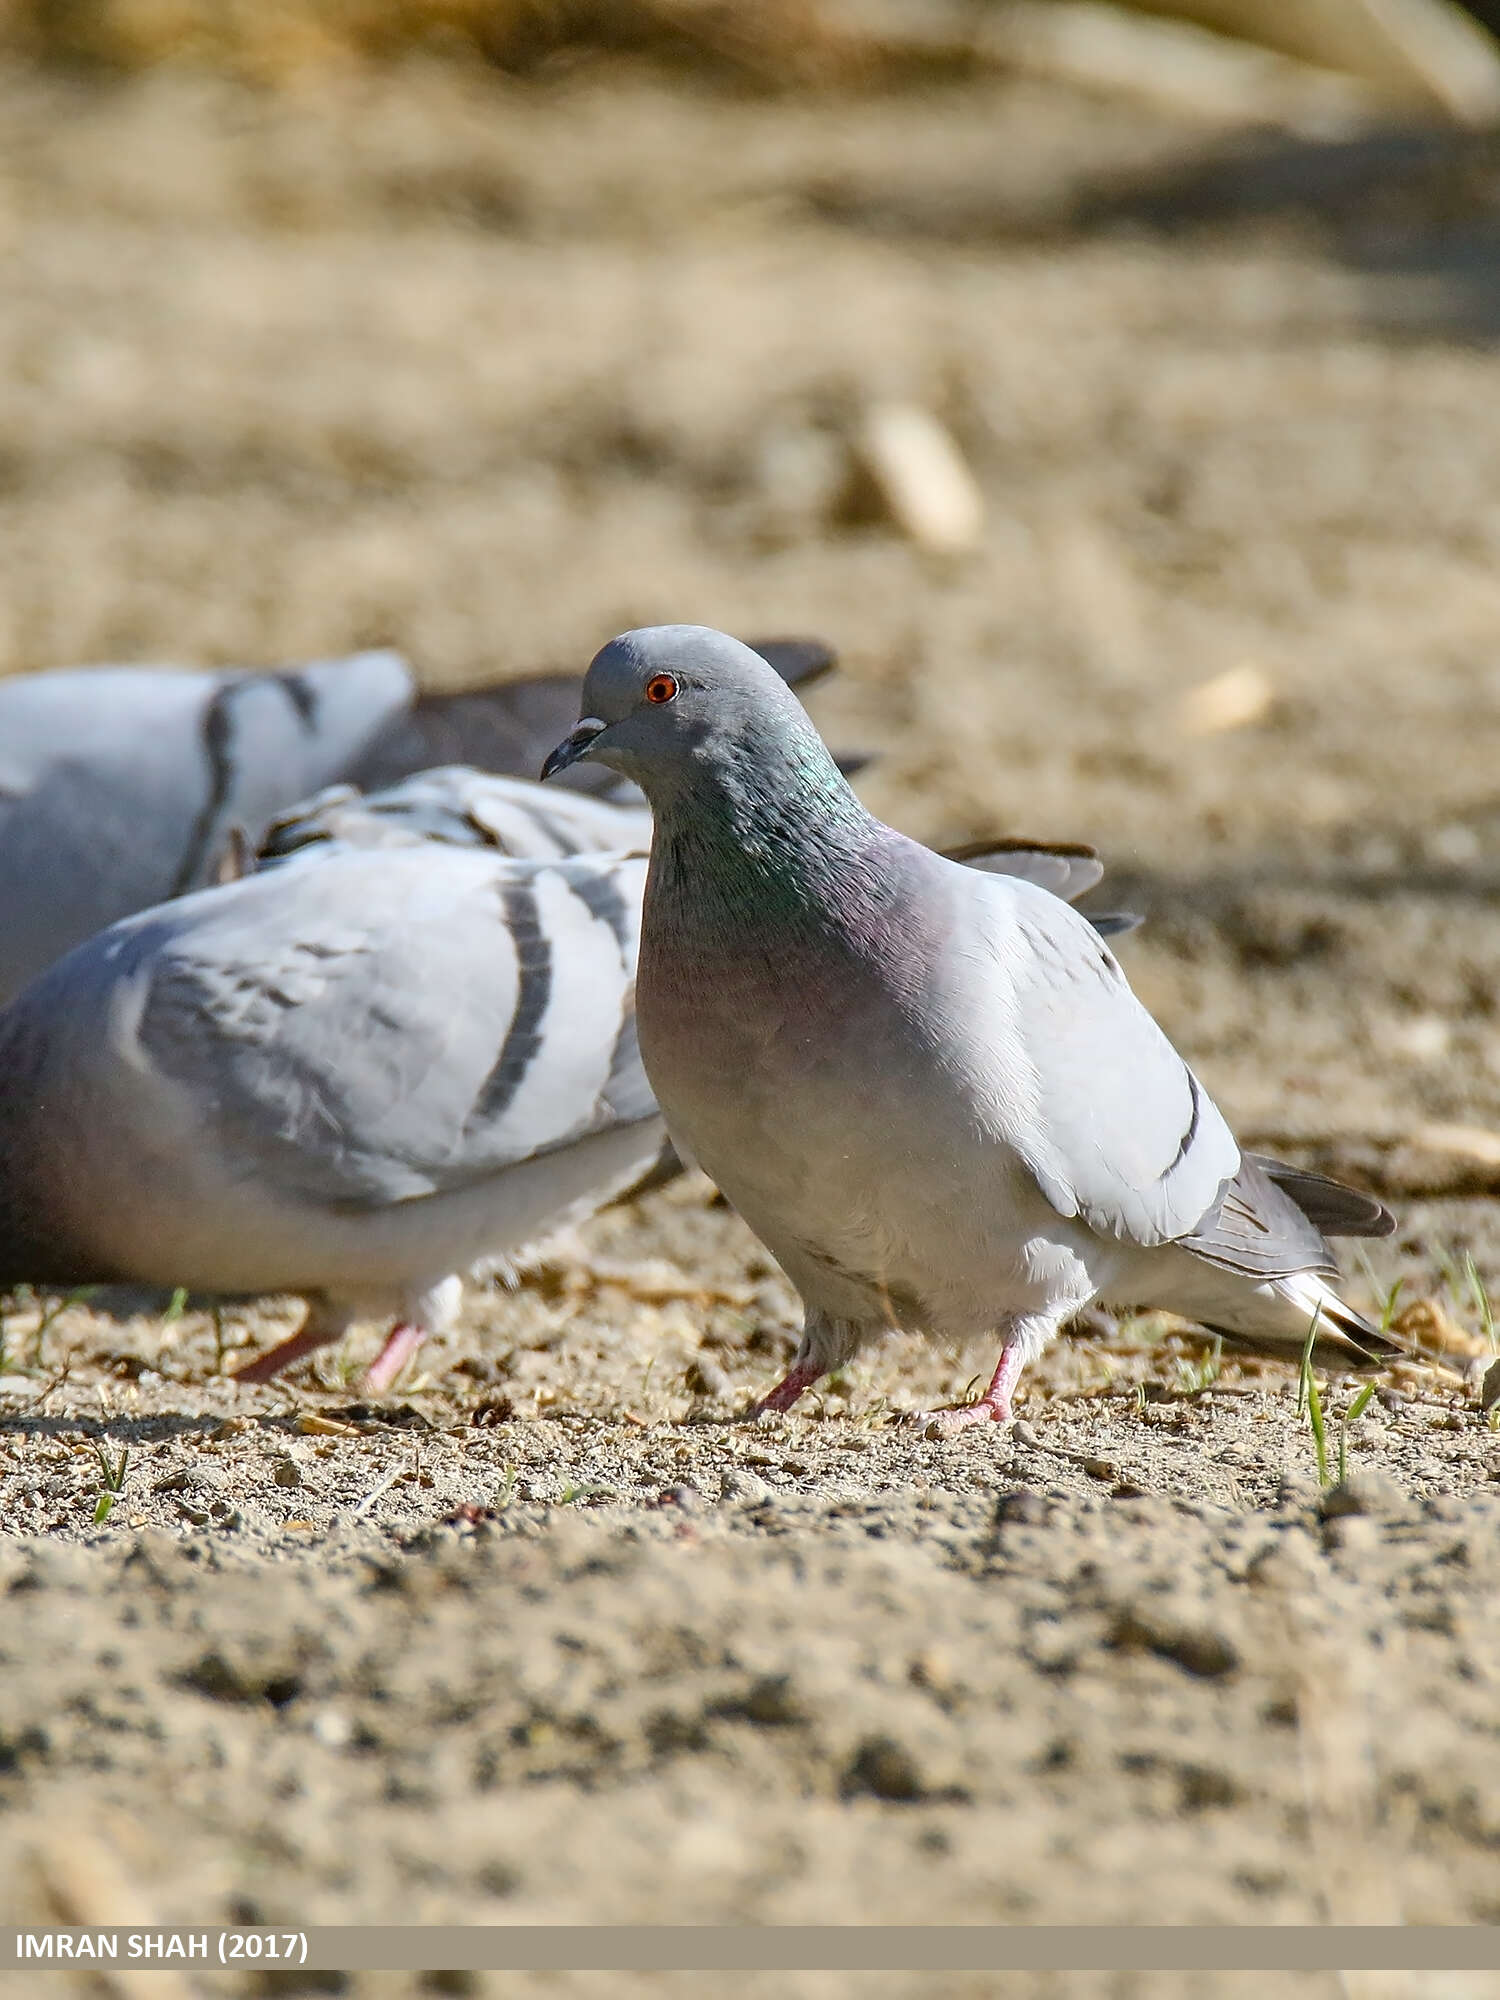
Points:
(573, 747)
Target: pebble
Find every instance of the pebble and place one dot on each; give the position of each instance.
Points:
(772, 1702)
(1183, 1635)
(1351, 1534)
(1364, 1491)
(737, 1484)
(884, 1769)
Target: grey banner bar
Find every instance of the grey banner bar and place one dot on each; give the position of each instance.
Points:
(814, 1948)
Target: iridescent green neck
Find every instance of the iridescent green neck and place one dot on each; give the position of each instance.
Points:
(758, 832)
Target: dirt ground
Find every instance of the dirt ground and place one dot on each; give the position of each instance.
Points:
(492, 371)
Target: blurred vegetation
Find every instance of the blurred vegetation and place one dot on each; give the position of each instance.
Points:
(1430, 56)
(272, 41)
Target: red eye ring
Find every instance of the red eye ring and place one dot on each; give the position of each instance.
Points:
(660, 688)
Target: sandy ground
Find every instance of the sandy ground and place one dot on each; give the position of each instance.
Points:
(491, 373)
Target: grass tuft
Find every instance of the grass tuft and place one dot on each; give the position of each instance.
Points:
(1309, 1399)
(112, 1481)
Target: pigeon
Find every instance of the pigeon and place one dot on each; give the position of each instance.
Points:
(123, 786)
(354, 1077)
(927, 1088)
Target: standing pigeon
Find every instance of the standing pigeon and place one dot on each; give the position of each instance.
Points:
(122, 786)
(352, 1077)
(928, 1089)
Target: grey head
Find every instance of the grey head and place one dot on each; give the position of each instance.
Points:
(685, 710)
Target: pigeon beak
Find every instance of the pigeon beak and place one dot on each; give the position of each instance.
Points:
(572, 747)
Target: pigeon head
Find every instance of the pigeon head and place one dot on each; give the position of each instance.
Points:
(682, 708)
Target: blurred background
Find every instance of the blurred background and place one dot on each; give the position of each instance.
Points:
(1116, 387)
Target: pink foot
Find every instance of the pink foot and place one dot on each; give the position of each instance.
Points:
(788, 1389)
(993, 1407)
(401, 1343)
(961, 1416)
(265, 1367)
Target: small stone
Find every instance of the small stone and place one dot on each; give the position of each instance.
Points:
(1364, 1491)
(1100, 1468)
(1297, 1491)
(1289, 1565)
(685, 1497)
(884, 1769)
(1195, 1645)
(931, 1669)
(285, 1473)
(1056, 1645)
(1351, 1534)
(1489, 1388)
(772, 1703)
(736, 1484)
(1024, 1433)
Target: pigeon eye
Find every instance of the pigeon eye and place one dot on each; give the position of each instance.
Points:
(660, 688)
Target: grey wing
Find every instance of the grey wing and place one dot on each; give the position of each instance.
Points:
(1120, 1132)
(1066, 868)
(459, 807)
(1111, 1121)
(391, 1025)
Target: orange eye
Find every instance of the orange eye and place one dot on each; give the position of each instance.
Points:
(660, 688)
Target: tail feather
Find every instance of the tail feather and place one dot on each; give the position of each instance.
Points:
(1331, 1207)
(1344, 1337)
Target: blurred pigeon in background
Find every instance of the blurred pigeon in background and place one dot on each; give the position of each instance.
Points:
(123, 786)
(927, 1088)
(351, 1078)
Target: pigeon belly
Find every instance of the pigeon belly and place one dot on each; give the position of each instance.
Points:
(776, 1076)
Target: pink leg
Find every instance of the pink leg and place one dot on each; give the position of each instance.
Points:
(307, 1340)
(993, 1406)
(401, 1343)
(800, 1376)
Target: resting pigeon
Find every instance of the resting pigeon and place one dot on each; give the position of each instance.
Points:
(928, 1089)
(122, 786)
(352, 1077)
